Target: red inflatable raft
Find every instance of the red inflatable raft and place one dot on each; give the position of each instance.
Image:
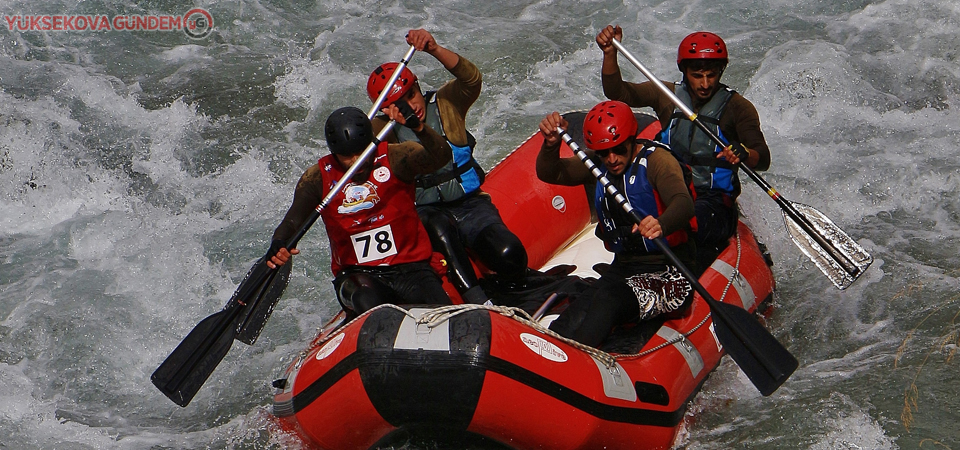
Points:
(492, 372)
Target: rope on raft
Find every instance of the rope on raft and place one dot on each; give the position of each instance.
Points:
(437, 316)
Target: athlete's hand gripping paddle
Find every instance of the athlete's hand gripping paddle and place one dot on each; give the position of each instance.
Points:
(765, 361)
(835, 253)
(185, 370)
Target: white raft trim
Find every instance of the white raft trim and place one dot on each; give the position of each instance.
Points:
(616, 381)
(415, 334)
(744, 290)
(686, 348)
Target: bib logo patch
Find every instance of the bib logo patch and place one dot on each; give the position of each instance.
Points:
(381, 174)
(358, 197)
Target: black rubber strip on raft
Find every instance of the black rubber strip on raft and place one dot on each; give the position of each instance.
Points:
(424, 387)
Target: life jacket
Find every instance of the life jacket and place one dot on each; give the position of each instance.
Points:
(642, 196)
(692, 146)
(373, 223)
(460, 177)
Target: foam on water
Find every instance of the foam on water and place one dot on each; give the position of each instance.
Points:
(113, 247)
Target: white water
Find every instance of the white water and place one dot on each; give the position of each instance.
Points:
(141, 174)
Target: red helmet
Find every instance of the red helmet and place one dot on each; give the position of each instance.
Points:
(701, 45)
(378, 80)
(608, 125)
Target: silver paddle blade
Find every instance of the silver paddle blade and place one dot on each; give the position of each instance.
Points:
(853, 259)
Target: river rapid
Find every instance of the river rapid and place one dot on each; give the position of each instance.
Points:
(143, 172)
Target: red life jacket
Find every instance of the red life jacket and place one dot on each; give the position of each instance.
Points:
(374, 223)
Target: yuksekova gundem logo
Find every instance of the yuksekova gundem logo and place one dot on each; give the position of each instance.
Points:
(196, 23)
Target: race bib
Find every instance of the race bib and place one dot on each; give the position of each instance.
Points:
(375, 244)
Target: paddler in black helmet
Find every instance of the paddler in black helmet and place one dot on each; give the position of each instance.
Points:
(379, 250)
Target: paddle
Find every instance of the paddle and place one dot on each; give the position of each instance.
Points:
(180, 376)
(268, 293)
(761, 357)
(835, 253)
(543, 308)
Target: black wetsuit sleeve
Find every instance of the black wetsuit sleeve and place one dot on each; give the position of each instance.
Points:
(306, 197)
(410, 158)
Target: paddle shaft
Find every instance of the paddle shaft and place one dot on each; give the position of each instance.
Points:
(371, 149)
(787, 207)
(261, 279)
(637, 216)
(292, 242)
(543, 308)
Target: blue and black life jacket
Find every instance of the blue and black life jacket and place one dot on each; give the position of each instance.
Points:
(692, 146)
(460, 177)
(641, 195)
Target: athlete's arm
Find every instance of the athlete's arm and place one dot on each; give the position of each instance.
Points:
(306, 197)
(456, 97)
(666, 177)
(423, 41)
(411, 158)
(550, 167)
(746, 123)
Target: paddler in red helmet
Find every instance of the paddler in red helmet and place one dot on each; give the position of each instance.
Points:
(701, 57)
(456, 212)
(640, 283)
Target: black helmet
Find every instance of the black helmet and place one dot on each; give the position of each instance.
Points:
(348, 131)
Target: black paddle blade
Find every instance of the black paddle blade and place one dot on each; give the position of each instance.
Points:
(252, 284)
(191, 363)
(762, 358)
(261, 303)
